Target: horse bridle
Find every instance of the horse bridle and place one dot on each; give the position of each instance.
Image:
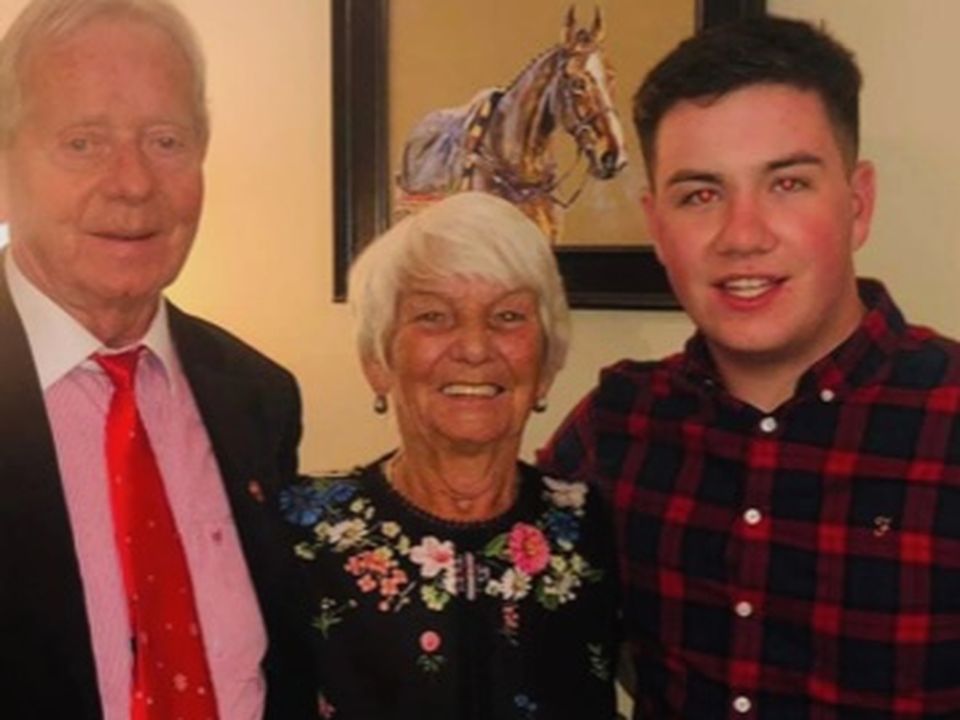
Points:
(513, 188)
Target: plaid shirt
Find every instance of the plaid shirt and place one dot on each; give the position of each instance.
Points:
(799, 564)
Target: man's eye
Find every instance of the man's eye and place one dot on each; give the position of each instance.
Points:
(82, 145)
(700, 196)
(790, 184)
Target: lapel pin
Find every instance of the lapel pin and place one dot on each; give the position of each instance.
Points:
(256, 491)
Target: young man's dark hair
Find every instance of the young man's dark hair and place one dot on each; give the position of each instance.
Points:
(759, 50)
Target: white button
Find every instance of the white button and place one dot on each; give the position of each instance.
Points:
(742, 704)
(768, 424)
(744, 609)
(827, 395)
(752, 516)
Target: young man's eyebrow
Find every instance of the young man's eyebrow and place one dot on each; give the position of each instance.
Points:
(684, 176)
(800, 158)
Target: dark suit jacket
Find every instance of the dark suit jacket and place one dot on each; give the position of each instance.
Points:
(251, 408)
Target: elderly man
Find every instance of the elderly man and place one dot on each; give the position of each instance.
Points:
(143, 569)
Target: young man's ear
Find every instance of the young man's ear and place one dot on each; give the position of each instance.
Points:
(863, 189)
(649, 203)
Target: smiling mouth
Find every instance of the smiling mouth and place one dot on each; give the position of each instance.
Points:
(481, 390)
(125, 236)
(748, 288)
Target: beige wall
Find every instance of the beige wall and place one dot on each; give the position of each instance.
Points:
(262, 264)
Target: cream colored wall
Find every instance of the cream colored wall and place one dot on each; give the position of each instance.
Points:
(262, 263)
(910, 114)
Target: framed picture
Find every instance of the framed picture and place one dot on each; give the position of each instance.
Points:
(396, 62)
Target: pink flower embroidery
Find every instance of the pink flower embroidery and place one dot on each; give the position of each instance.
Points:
(391, 584)
(433, 556)
(366, 583)
(429, 641)
(529, 549)
(326, 710)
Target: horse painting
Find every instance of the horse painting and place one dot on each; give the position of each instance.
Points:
(500, 142)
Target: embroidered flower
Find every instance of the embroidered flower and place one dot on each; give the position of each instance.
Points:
(305, 504)
(324, 707)
(366, 583)
(526, 706)
(430, 661)
(347, 533)
(434, 598)
(529, 549)
(565, 493)
(393, 582)
(513, 585)
(332, 613)
(535, 560)
(562, 527)
(300, 505)
(429, 641)
(378, 561)
(433, 556)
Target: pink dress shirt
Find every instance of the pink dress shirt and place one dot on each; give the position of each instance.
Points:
(77, 394)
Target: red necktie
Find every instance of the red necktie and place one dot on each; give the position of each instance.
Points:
(171, 679)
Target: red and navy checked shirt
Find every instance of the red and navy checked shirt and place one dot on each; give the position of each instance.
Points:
(798, 564)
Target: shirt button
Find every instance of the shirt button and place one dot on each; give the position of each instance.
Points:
(742, 704)
(744, 609)
(827, 395)
(768, 424)
(752, 516)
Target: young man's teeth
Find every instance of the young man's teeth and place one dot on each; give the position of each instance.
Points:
(747, 287)
(471, 390)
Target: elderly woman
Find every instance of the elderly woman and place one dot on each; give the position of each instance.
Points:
(453, 581)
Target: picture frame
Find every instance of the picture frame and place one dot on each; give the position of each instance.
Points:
(596, 276)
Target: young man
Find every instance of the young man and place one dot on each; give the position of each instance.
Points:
(787, 488)
(139, 578)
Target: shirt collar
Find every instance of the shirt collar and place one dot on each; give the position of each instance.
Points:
(851, 364)
(59, 343)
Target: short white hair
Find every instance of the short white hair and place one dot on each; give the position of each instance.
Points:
(43, 20)
(470, 235)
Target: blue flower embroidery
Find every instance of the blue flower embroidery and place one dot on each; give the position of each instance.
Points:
(526, 706)
(304, 505)
(562, 526)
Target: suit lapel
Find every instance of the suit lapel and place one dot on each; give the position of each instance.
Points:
(45, 593)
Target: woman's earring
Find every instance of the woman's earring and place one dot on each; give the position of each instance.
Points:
(540, 405)
(380, 404)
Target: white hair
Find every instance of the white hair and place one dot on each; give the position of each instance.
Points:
(470, 234)
(43, 20)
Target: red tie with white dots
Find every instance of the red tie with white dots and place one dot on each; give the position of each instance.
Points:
(171, 678)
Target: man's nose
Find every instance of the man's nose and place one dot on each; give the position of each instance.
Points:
(131, 175)
(745, 229)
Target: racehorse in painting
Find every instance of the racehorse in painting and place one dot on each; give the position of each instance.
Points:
(500, 142)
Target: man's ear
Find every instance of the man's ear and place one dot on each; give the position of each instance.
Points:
(863, 189)
(649, 203)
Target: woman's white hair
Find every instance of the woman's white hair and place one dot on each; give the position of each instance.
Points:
(44, 20)
(470, 235)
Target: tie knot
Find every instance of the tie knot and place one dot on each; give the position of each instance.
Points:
(121, 367)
